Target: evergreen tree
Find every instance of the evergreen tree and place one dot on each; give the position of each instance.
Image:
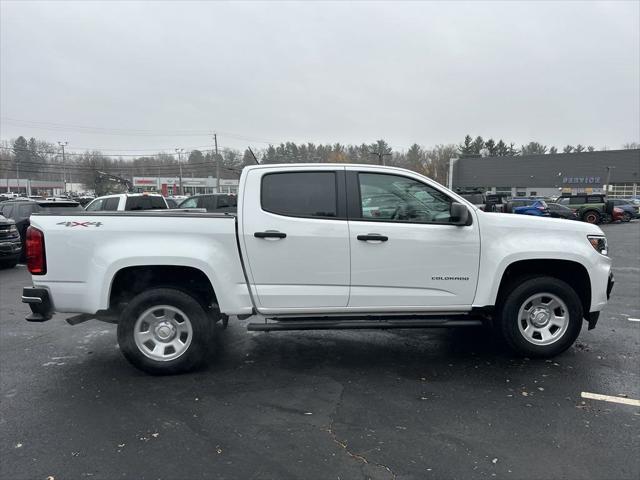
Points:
(466, 148)
(502, 149)
(478, 144)
(491, 146)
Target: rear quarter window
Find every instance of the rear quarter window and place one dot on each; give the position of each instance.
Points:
(300, 194)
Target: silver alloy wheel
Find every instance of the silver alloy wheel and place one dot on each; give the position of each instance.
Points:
(163, 333)
(543, 319)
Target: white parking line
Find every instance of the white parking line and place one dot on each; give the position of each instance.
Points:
(633, 319)
(609, 398)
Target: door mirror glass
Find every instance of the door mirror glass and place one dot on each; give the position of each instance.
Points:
(459, 214)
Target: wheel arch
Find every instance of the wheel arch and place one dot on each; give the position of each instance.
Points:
(569, 271)
(129, 281)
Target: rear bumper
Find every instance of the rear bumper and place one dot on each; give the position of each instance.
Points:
(39, 302)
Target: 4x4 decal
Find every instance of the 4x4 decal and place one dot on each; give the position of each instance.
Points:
(80, 224)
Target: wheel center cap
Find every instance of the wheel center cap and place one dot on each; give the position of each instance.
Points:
(540, 317)
(165, 331)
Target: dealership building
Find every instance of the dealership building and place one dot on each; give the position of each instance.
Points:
(192, 186)
(551, 174)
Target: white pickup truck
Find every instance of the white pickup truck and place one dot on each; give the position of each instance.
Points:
(321, 246)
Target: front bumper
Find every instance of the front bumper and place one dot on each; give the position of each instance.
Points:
(10, 249)
(39, 302)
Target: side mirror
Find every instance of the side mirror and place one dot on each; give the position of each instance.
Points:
(459, 214)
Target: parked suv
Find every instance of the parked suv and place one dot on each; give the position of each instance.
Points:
(21, 209)
(590, 208)
(10, 245)
(213, 202)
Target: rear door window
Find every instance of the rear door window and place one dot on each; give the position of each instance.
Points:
(111, 204)
(594, 199)
(577, 200)
(300, 194)
(145, 202)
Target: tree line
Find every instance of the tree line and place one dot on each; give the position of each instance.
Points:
(41, 160)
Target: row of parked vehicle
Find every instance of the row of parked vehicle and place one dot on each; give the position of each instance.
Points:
(590, 208)
(15, 212)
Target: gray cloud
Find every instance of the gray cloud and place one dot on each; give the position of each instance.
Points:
(351, 72)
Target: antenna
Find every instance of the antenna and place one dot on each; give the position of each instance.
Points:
(253, 155)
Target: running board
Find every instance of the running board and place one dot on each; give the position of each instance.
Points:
(360, 324)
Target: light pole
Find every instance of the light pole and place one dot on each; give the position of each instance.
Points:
(179, 152)
(64, 167)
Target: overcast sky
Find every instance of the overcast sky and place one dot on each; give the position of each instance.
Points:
(156, 75)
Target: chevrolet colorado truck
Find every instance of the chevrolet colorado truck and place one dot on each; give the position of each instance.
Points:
(302, 253)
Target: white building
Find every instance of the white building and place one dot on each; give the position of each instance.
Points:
(171, 185)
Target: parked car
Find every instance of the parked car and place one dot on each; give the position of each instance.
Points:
(590, 208)
(527, 206)
(21, 209)
(127, 201)
(560, 211)
(300, 255)
(618, 215)
(629, 209)
(10, 244)
(212, 202)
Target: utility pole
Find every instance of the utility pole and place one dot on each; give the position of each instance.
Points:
(215, 139)
(64, 166)
(609, 168)
(380, 156)
(179, 152)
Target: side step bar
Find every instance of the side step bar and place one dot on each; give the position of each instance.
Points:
(359, 324)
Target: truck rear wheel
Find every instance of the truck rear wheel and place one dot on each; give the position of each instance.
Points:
(165, 331)
(540, 317)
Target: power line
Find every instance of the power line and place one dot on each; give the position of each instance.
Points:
(126, 131)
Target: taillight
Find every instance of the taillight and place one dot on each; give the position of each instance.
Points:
(36, 261)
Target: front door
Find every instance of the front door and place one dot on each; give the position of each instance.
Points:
(405, 252)
(296, 238)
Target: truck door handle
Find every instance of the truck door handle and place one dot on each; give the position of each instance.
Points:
(270, 234)
(373, 236)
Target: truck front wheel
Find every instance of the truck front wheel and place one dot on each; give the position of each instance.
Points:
(540, 317)
(164, 331)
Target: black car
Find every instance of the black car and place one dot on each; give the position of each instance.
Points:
(213, 202)
(10, 244)
(560, 211)
(21, 209)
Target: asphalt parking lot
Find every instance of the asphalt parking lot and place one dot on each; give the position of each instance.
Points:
(398, 404)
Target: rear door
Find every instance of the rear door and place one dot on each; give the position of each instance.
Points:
(409, 255)
(296, 237)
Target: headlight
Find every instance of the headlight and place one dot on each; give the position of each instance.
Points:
(599, 242)
(12, 229)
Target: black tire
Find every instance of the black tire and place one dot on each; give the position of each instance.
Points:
(201, 331)
(508, 207)
(509, 324)
(591, 216)
(626, 217)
